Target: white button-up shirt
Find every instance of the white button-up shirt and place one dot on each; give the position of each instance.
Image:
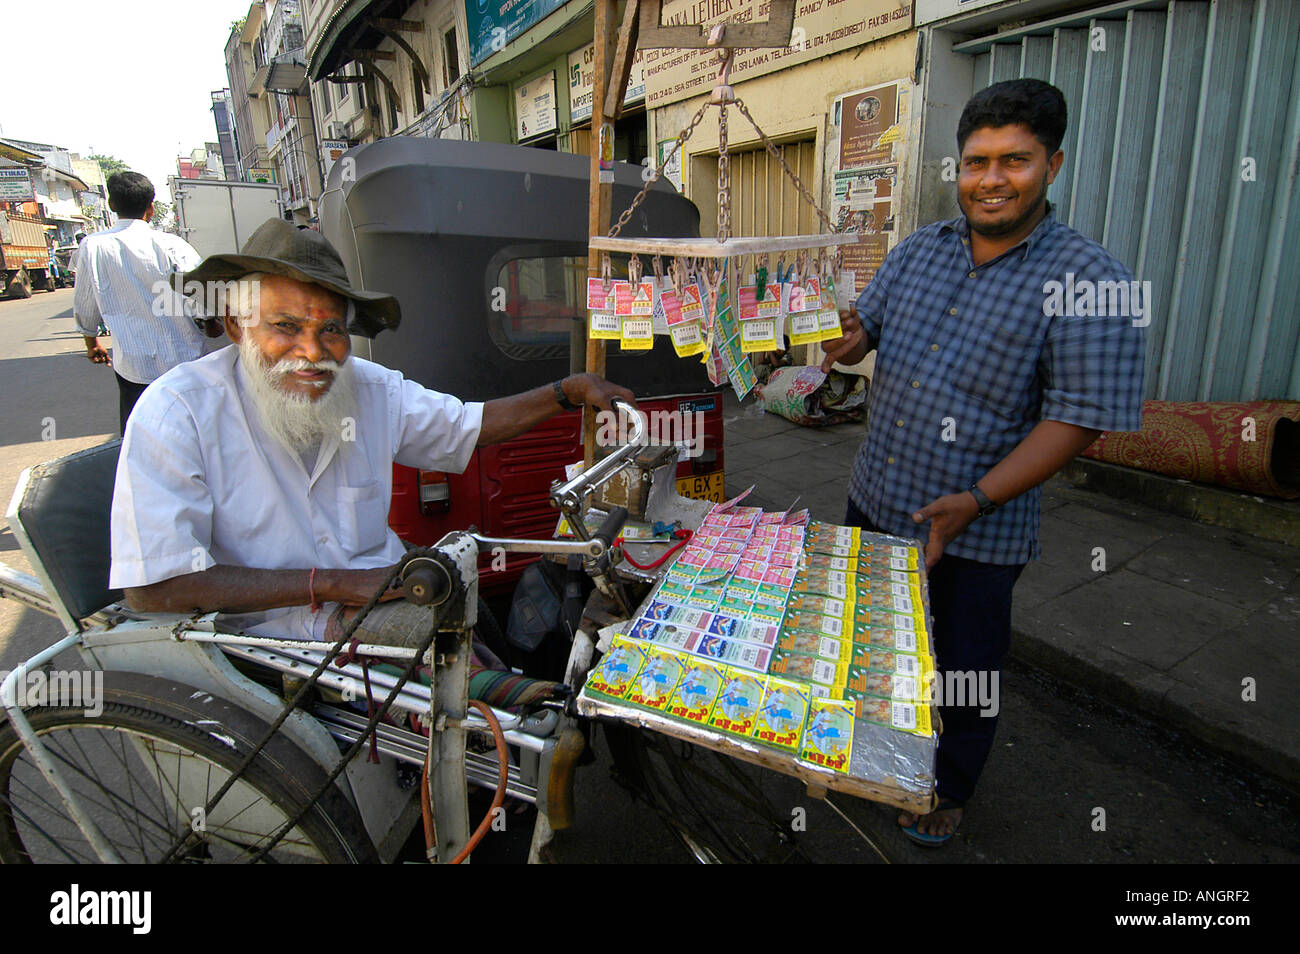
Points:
(201, 482)
(123, 279)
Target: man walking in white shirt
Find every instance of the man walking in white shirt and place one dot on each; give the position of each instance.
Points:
(123, 277)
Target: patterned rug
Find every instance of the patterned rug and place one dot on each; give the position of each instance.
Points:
(1252, 447)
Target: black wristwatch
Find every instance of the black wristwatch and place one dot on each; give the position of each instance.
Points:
(986, 506)
(563, 398)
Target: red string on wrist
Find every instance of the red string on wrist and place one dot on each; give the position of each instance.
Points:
(311, 591)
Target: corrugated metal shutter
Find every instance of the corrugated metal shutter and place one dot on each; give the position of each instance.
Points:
(763, 200)
(1168, 124)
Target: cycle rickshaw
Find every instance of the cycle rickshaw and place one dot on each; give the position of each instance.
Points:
(209, 745)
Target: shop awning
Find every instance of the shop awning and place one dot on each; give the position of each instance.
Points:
(350, 28)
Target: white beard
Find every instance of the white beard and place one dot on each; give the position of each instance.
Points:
(293, 419)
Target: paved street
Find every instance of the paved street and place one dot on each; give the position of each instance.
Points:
(1061, 752)
(52, 402)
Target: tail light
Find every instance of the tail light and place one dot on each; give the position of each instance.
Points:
(435, 492)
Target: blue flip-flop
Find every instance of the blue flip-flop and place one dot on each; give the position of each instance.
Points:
(924, 838)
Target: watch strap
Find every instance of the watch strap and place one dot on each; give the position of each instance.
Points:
(986, 505)
(563, 398)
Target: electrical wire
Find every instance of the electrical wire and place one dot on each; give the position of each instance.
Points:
(685, 539)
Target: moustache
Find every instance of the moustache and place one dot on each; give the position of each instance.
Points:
(290, 365)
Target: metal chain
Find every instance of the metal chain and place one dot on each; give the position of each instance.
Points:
(684, 135)
(724, 177)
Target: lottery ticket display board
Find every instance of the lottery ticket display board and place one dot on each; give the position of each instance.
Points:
(801, 642)
(701, 321)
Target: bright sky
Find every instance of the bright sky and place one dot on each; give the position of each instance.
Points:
(128, 78)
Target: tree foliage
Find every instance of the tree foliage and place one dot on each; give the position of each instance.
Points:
(110, 165)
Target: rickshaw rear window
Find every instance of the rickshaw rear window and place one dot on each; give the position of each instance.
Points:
(533, 303)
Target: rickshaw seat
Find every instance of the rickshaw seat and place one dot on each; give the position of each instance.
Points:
(64, 513)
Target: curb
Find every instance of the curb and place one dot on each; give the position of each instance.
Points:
(1265, 518)
(1219, 734)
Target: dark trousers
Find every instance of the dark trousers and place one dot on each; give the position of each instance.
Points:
(971, 606)
(128, 392)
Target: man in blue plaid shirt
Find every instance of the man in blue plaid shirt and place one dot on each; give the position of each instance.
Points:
(1006, 342)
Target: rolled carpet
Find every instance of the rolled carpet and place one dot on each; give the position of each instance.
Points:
(1252, 447)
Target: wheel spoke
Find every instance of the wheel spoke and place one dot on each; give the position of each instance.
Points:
(42, 832)
(126, 769)
(157, 832)
(97, 783)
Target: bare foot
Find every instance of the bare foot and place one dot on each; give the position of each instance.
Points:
(942, 821)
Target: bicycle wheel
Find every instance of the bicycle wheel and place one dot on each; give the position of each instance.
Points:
(145, 766)
(726, 811)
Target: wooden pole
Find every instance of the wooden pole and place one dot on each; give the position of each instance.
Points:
(600, 194)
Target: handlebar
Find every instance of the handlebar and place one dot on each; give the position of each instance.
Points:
(569, 495)
(612, 527)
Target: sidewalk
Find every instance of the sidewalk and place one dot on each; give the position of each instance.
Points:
(1181, 616)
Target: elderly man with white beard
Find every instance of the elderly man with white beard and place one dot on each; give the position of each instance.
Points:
(255, 481)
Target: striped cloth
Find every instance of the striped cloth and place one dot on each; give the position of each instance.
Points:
(505, 690)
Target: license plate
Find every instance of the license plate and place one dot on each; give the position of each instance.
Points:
(704, 487)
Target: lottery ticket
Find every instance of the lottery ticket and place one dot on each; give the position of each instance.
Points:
(745, 630)
(696, 691)
(780, 718)
(822, 647)
(828, 737)
(658, 677)
(733, 652)
(675, 613)
(885, 685)
(809, 669)
(736, 709)
(687, 339)
(617, 669)
(605, 326)
(601, 297)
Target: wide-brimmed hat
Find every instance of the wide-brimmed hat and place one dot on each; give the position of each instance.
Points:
(279, 247)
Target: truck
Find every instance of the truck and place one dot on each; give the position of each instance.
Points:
(24, 255)
(217, 216)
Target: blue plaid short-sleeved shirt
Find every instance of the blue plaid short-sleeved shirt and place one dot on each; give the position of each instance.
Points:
(970, 359)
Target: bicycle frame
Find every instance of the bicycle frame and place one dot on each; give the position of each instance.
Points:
(193, 652)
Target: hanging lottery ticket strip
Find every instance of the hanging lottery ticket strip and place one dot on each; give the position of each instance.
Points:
(719, 298)
(800, 646)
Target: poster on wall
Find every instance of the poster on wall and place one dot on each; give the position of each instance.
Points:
(582, 74)
(535, 107)
(869, 156)
(671, 164)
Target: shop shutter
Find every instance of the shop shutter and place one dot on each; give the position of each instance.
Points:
(763, 200)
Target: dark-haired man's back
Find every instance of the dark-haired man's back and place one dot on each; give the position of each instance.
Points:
(123, 276)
